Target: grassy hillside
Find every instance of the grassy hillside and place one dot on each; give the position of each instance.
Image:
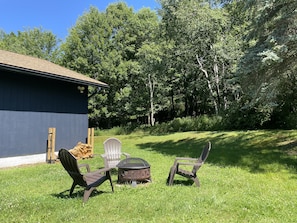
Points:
(248, 177)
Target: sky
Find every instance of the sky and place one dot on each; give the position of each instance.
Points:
(56, 16)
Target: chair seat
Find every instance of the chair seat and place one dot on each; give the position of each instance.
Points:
(92, 178)
(185, 173)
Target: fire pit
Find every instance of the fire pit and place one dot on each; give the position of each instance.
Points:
(133, 169)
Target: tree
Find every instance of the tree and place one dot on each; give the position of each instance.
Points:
(34, 42)
(269, 61)
(205, 54)
(104, 45)
(148, 81)
(150, 59)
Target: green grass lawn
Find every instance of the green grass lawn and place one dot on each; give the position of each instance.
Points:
(248, 177)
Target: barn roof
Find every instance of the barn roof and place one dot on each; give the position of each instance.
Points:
(43, 68)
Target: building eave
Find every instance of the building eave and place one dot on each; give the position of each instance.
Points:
(51, 76)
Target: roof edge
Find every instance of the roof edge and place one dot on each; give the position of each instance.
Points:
(53, 76)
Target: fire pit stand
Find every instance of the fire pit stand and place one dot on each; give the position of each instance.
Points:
(133, 169)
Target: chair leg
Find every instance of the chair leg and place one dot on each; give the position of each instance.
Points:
(72, 188)
(167, 181)
(110, 180)
(196, 180)
(111, 184)
(171, 175)
(87, 194)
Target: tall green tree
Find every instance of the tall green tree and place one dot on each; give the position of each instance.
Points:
(268, 68)
(86, 51)
(104, 45)
(150, 60)
(205, 54)
(35, 42)
(148, 83)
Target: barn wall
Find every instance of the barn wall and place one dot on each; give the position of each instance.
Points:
(29, 105)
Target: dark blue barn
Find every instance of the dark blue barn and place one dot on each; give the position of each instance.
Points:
(36, 95)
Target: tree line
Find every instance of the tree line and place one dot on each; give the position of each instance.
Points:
(230, 58)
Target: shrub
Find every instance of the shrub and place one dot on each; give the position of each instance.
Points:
(200, 123)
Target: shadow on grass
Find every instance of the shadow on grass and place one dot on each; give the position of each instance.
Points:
(76, 194)
(256, 151)
(185, 182)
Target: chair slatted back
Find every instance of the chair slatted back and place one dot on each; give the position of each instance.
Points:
(112, 149)
(205, 152)
(69, 163)
(202, 158)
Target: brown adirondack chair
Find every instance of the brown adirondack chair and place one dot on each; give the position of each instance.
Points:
(180, 163)
(113, 152)
(89, 180)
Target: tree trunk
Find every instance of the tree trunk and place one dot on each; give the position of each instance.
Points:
(172, 113)
(217, 81)
(151, 89)
(209, 85)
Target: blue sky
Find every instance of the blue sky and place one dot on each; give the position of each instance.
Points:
(57, 16)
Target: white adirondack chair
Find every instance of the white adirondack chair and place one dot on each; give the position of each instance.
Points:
(113, 152)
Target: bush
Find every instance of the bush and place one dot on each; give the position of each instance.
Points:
(118, 130)
(200, 123)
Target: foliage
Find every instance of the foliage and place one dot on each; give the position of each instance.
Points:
(284, 115)
(178, 63)
(33, 42)
(240, 117)
(248, 177)
(269, 61)
(149, 81)
(199, 123)
(234, 59)
(85, 50)
(120, 130)
(105, 45)
(204, 55)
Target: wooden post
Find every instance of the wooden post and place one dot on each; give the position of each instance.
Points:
(51, 143)
(90, 139)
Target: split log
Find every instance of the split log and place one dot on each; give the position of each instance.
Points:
(82, 151)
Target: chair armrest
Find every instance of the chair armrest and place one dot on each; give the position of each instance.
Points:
(186, 158)
(96, 154)
(84, 165)
(177, 159)
(188, 164)
(127, 155)
(105, 169)
(103, 155)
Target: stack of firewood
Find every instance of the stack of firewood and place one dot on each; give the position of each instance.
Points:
(82, 151)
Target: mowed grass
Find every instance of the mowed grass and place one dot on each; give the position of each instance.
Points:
(249, 176)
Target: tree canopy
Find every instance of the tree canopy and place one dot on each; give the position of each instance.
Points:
(230, 58)
(35, 42)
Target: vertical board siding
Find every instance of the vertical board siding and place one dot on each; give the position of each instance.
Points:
(29, 105)
(31, 93)
(22, 136)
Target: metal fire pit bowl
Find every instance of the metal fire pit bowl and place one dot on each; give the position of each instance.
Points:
(133, 169)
